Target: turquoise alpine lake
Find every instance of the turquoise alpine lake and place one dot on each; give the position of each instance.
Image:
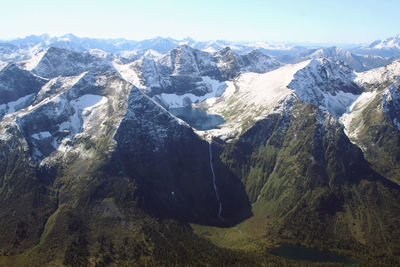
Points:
(198, 118)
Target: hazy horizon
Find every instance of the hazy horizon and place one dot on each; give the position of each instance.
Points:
(210, 40)
(309, 21)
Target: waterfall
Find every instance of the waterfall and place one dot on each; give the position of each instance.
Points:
(215, 185)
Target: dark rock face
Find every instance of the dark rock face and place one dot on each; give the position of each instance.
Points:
(172, 166)
(16, 83)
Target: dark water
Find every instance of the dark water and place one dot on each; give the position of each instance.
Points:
(309, 254)
(198, 118)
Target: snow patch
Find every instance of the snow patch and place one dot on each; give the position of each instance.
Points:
(81, 119)
(152, 54)
(339, 103)
(128, 53)
(210, 50)
(98, 53)
(41, 135)
(129, 74)
(34, 60)
(82, 106)
(16, 105)
(378, 75)
(176, 101)
(251, 97)
(2, 65)
(88, 102)
(351, 120)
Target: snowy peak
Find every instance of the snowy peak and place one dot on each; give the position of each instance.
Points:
(391, 42)
(232, 64)
(227, 63)
(325, 83)
(384, 75)
(187, 41)
(257, 61)
(251, 97)
(381, 89)
(385, 48)
(18, 88)
(184, 61)
(356, 62)
(159, 44)
(61, 62)
(180, 71)
(74, 43)
(332, 52)
(191, 74)
(58, 122)
(329, 75)
(328, 84)
(152, 54)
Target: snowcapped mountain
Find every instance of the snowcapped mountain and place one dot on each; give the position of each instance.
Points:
(126, 143)
(18, 88)
(322, 82)
(73, 43)
(186, 75)
(372, 120)
(54, 62)
(360, 59)
(356, 62)
(24, 48)
(391, 42)
(251, 97)
(57, 119)
(384, 48)
(326, 84)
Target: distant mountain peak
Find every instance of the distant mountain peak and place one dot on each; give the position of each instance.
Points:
(388, 43)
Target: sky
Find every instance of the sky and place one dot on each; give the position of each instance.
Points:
(306, 21)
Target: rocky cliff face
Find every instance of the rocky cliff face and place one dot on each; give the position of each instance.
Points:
(371, 122)
(17, 88)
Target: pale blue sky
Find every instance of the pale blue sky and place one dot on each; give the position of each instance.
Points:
(335, 21)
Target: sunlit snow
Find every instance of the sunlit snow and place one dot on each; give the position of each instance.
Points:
(13, 106)
(41, 135)
(252, 96)
(177, 101)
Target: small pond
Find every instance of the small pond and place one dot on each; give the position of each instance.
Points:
(198, 118)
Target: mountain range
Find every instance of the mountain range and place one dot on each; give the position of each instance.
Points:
(169, 152)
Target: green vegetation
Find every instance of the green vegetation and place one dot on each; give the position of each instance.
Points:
(380, 140)
(314, 188)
